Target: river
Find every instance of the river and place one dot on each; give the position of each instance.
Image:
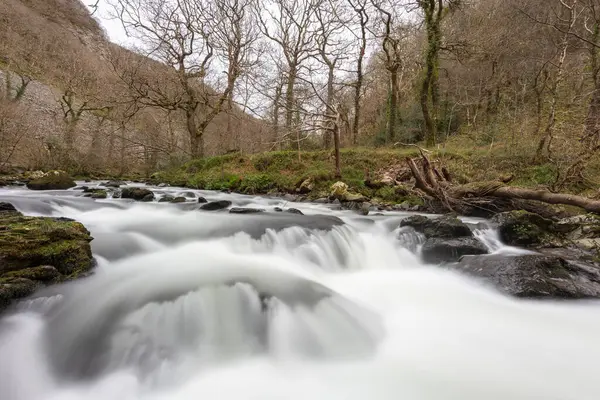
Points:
(189, 304)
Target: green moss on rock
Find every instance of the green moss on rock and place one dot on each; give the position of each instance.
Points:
(38, 250)
(53, 180)
(526, 229)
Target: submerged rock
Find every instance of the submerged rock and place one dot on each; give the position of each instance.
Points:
(241, 210)
(535, 275)
(53, 180)
(35, 251)
(166, 199)
(115, 183)
(138, 194)
(216, 205)
(435, 251)
(446, 227)
(294, 211)
(178, 200)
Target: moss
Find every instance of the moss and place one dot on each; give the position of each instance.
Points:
(53, 180)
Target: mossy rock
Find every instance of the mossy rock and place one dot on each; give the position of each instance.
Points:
(53, 180)
(526, 229)
(138, 194)
(100, 194)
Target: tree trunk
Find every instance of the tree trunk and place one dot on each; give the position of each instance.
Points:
(276, 107)
(328, 133)
(359, 82)
(290, 101)
(196, 147)
(592, 120)
(393, 105)
(336, 144)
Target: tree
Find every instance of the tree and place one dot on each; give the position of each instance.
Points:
(434, 12)
(188, 37)
(392, 36)
(290, 25)
(360, 8)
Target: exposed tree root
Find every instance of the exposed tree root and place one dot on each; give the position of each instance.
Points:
(478, 194)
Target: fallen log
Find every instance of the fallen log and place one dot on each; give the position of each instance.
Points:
(457, 197)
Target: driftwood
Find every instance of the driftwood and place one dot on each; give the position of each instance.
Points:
(458, 197)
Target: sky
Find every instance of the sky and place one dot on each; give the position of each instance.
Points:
(112, 26)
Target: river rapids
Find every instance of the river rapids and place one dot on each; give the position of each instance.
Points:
(189, 304)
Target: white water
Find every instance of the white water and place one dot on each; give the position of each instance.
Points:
(173, 311)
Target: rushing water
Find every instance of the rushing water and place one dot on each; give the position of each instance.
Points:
(186, 304)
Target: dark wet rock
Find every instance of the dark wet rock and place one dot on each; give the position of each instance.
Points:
(138, 194)
(166, 198)
(278, 209)
(242, 210)
(7, 207)
(53, 180)
(100, 195)
(216, 205)
(435, 251)
(294, 211)
(446, 227)
(178, 200)
(162, 185)
(202, 200)
(537, 276)
(322, 200)
(526, 229)
(3, 183)
(38, 250)
(190, 195)
(114, 184)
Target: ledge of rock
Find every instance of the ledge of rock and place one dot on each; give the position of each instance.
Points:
(53, 180)
(446, 227)
(535, 276)
(216, 205)
(435, 251)
(36, 251)
(138, 194)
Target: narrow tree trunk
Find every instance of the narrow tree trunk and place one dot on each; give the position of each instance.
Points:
(196, 149)
(290, 102)
(393, 105)
(276, 107)
(328, 133)
(359, 82)
(592, 120)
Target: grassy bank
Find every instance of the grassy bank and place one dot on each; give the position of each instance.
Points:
(283, 171)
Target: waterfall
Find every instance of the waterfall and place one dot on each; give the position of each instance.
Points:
(186, 304)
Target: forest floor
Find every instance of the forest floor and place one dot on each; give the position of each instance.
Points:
(285, 171)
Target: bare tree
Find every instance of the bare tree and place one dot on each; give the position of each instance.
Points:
(360, 8)
(290, 25)
(188, 37)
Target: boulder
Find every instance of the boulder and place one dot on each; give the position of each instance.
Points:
(537, 276)
(216, 205)
(166, 198)
(278, 209)
(526, 229)
(339, 191)
(178, 200)
(446, 227)
(579, 227)
(435, 251)
(294, 211)
(191, 195)
(53, 180)
(138, 194)
(202, 200)
(115, 184)
(35, 251)
(100, 194)
(241, 210)
(306, 186)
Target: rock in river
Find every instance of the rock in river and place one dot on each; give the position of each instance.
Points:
(534, 275)
(53, 180)
(35, 251)
(241, 210)
(139, 194)
(435, 251)
(446, 227)
(216, 205)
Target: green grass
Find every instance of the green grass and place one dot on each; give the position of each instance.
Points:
(284, 171)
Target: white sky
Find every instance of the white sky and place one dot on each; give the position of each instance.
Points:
(113, 27)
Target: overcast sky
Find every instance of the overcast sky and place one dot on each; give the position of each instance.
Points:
(113, 27)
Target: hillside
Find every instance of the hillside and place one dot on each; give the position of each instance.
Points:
(62, 86)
